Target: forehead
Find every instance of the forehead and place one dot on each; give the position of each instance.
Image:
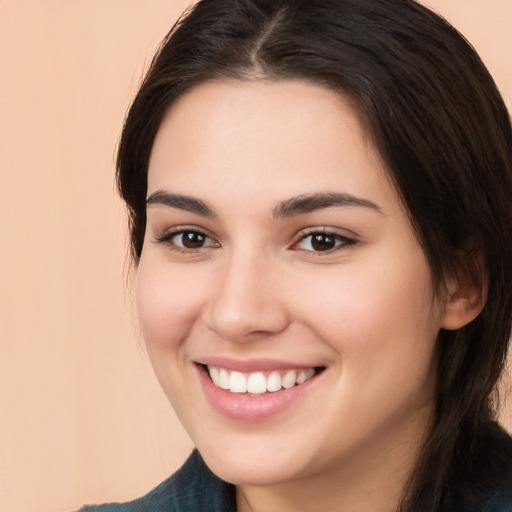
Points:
(256, 134)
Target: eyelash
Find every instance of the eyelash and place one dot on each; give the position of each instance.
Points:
(167, 238)
(340, 241)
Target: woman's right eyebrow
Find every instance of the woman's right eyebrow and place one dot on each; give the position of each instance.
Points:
(187, 203)
(318, 201)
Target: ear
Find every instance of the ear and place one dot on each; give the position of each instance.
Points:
(465, 294)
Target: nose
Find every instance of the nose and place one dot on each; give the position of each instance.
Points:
(247, 302)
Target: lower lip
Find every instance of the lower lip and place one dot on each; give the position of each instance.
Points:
(252, 408)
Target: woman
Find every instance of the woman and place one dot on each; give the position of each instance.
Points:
(319, 199)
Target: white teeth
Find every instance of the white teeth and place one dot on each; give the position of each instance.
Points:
(256, 384)
(289, 379)
(304, 376)
(237, 383)
(214, 374)
(274, 382)
(223, 379)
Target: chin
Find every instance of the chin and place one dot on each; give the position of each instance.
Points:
(250, 467)
(249, 474)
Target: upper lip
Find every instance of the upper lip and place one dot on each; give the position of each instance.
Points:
(251, 365)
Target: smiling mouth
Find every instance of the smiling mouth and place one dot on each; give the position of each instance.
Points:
(261, 382)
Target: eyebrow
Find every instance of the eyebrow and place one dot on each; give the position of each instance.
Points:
(313, 202)
(295, 206)
(187, 203)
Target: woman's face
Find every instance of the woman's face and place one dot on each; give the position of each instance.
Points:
(277, 252)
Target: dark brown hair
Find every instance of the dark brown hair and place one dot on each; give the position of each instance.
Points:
(444, 133)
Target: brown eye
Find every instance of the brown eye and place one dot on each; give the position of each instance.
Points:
(322, 242)
(190, 240)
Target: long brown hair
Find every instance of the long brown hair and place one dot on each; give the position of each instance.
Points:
(444, 133)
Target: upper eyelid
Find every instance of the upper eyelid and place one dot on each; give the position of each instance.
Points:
(166, 234)
(347, 241)
(176, 230)
(166, 239)
(325, 230)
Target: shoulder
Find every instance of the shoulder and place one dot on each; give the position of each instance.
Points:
(501, 497)
(491, 482)
(495, 501)
(193, 487)
(500, 502)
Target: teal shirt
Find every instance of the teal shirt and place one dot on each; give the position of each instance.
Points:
(501, 502)
(194, 488)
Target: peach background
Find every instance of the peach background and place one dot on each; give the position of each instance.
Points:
(82, 418)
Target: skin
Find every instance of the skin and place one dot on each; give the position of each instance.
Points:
(365, 310)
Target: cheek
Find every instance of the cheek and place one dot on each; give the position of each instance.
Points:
(382, 319)
(168, 303)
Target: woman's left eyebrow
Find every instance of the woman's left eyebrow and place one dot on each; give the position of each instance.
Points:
(311, 202)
